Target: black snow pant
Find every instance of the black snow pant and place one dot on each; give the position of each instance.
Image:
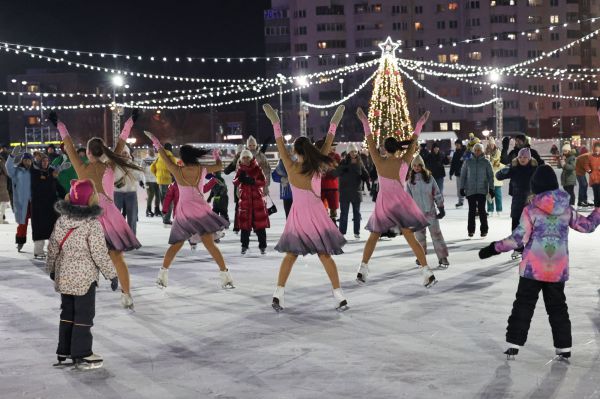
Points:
(287, 205)
(524, 305)
(261, 234)
(477, 204)
(571, 191)
(76, 321)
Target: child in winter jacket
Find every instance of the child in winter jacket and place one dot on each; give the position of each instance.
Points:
(219, 197)
(76, 252)
(543, 231)
(424, 190)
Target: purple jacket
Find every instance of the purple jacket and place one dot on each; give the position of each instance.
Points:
(543, 231)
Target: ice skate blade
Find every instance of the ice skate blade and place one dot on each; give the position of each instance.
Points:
(343, 306)
(63, 364)
(360, 280)
(84, 366)
(443, 267)
(276, 305)
(228, 286)
(431, 282)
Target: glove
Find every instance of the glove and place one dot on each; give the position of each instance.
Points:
(114, 283)
(505, 142)
(53, 118)
(142, 184)
(421, 123)
(52, 276)
(216, 154)
(274, 118)
(463, 192)
(62, 166)
(441, 213)
(365, 122)
(154, 140)
(135, 114)
(62, 130)
(488, 251)
(335, 120)
(126, 131)
(18, 150)
(492, 193)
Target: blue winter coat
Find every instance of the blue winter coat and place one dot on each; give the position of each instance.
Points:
(280, 176)
(21, 185)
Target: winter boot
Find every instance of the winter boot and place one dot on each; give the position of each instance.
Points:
(563, 353)
(444, 263)
(512, 351)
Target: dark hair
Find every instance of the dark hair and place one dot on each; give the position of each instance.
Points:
(348, 158)
(424, 171)
(97, 148)
(81, 149)
(313, 160)
(458, 141)
(189, 155)
(596, 144)
(168, 146)
(392, 145)
(521, 137)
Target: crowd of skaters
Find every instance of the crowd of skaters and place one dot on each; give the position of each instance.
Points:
(392, 173)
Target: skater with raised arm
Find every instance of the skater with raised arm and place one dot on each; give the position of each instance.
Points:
(394, 208)
(101, 170)
(194, 215)
(543, 233)
(308, 229)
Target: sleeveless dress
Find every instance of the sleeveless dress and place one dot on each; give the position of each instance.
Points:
(193, 214)
(309, 229)
(117, 232)
(395, 209)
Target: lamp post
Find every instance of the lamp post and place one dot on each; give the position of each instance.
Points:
(117, 82)
(341, 80)
(499, 105)
(281, 80)
(302, 81)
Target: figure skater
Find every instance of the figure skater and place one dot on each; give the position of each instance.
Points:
(394, 208)
(308, 229)
(118, 234)
(193, 214)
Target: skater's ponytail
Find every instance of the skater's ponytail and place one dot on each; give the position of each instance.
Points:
(313, 160)
(393, 145)
(189, 155)
(97, 148)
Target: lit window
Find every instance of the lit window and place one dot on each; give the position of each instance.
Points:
(475, 55)
(453, 6)
(324, 112)
(554, 19)
(35, 103)
(453, 58)
(322, 44)
(33, 88)
(442, 58)
(418, 26)
(33, 120)
(455, 125)
(444, 126)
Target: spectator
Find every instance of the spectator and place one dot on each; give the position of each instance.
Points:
(436, 164)
(152, 188)
(493, 154)
(43, 215)
(567, 177)
(455, 168)
(18, 167)
(125, 197)
(582, 166)
(520, 142)
(4, 197)
(164, 178)
(594, 172)
(280, 176)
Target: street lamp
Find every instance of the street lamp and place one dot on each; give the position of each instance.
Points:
(117, 81)
(486, 132)
(341, 80)
(281, 80)
(287, 138)
(495, 77)
(302, 81)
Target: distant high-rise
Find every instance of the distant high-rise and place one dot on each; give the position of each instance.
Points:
(298, 27)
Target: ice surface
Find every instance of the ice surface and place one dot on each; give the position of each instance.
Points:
(398, 340)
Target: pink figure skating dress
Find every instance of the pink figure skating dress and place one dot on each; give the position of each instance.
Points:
(193, 214)
(117, 232)
(395, 209)
(309, 229)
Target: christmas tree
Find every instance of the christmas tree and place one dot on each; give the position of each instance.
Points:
(388, 108)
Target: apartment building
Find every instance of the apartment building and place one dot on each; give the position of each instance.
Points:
(324, 27)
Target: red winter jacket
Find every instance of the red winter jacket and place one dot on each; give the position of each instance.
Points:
(171, 197)
(330, 181)
(252, 209)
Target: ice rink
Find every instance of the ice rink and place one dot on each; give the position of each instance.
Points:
(397, 340)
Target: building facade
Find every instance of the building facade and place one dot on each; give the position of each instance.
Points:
(325, 27)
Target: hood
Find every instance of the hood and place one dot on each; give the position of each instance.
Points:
(77, 215)
(554, 202)
(253, 164)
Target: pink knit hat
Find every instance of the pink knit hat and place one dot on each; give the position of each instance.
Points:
(525, 153)
(82, 193)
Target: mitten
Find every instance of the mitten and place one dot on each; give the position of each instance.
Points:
(142, 184)
(488, 251)
(114, 283)
(441, 213)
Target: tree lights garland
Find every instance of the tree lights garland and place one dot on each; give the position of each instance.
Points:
(344, 99)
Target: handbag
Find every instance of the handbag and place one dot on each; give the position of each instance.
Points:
(272, 209)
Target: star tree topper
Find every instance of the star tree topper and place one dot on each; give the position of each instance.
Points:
(388, 47)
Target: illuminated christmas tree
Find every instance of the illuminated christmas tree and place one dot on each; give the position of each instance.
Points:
(388, 108)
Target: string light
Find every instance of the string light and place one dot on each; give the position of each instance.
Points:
(344, 99)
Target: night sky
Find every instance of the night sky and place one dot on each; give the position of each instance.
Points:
(170, 28)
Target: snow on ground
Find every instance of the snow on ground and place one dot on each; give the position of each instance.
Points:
(398, 340)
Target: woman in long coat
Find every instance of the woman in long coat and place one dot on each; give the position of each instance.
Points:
(18, 168)
(252, 210)
(43, 216)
